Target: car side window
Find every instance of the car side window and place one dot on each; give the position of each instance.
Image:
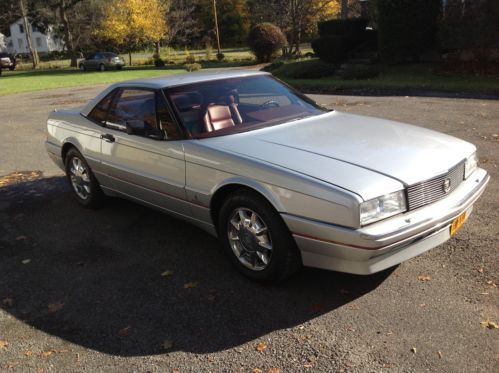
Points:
(99, 112)
(165, 119)
(135, 109)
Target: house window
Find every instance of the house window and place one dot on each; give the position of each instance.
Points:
(21, 43)
(21, 29)
(38, 42)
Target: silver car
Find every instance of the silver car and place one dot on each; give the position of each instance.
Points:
(102, 61)
(282, 181)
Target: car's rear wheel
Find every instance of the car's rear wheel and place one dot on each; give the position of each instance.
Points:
(12, 68)
(256, 238)
(83, 183)
(119, 67)
(102, 67)
(82, 67)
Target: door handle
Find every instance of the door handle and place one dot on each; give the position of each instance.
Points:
(107, 137)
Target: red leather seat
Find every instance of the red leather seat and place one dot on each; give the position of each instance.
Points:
(217, 117)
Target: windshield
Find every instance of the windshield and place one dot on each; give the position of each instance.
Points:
(227, 106)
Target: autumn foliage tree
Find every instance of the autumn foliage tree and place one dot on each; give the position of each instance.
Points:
(133, 23)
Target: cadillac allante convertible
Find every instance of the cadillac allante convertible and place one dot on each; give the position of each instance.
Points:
(280, 180)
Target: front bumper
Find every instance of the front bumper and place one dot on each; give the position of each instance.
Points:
(389, 242)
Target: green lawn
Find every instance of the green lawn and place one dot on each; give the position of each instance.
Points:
(394, 79)
(26, 81)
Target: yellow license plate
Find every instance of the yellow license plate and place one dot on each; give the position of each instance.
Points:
(457, 223)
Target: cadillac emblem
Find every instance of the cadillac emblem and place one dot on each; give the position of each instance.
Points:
(446, 185)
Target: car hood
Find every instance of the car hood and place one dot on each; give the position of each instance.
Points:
(320, 145)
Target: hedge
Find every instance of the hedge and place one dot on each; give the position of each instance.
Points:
(406, 28)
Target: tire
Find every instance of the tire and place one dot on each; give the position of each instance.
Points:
(248, 248)
(12, 68)
(119, 67)
(86, 189)
(82, 67)
(102, 67)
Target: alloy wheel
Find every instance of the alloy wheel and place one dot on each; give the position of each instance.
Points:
(80, 179)
(249, 238)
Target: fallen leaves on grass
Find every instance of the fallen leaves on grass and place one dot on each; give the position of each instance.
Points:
(480, 270)
(167, 273)
(308, 365)
(424, 278)
(257, 370)
(190, 285)
(3, 344)
(414, 350)
(489, 324)
(274, 370)
(260, 347)
(28, 353)
(55, 307)
(46, 353)
(439, 354)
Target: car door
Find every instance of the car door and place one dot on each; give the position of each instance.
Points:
(136, 160)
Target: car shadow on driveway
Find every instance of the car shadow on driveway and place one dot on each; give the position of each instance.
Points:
(99, 278)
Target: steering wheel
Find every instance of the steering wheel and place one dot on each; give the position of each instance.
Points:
(269, 104)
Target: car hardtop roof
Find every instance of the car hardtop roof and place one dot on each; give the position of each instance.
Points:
(174, 80)
(189, 78)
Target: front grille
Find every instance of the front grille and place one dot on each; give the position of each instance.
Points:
(432, 190)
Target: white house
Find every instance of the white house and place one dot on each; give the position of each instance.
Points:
(43, 43)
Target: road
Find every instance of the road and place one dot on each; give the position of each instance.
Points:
(83, 290)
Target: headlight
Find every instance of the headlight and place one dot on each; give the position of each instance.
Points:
(470, 165)
(382, 207)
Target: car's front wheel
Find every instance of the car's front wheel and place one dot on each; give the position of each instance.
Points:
(85, 187)
(256, 238)
(102, 67)
(82, 67)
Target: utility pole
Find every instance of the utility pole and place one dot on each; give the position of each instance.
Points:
(27, 31)
(216, 26)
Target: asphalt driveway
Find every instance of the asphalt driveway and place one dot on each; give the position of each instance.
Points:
(126, 288)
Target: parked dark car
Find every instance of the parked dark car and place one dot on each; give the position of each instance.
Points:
(102, 61)
(7, 61)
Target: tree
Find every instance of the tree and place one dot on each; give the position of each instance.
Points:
(29, 39)
(294, 17)
(133, 23)
(183, 25)
(406, 28)
(12, 10)
(232, 17)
